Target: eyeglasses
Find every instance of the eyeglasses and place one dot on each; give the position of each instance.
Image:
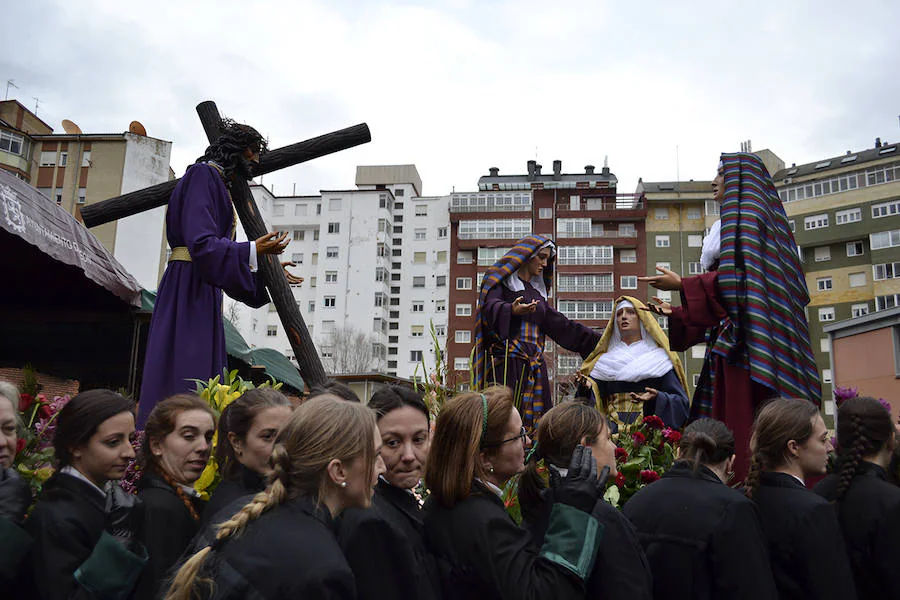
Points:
(521, 436)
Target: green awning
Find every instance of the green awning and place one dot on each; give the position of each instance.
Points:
(276, 364)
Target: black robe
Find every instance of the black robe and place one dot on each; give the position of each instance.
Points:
(869, 517)
(290, 551)
(246, 483)
(67, 527)
(804, 541)
(167, 531)
(621, 571)
(703, 539)
(385, 547)
(483, 554)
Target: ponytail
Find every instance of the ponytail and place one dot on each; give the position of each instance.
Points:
(706, 442)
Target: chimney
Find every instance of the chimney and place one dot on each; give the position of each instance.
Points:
(878, 142)
(531, 164)
(589, 169)
(537, 170)
(604, 171)
(557, 170)
(494, 171)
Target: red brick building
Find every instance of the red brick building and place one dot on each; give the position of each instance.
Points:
(600, 241)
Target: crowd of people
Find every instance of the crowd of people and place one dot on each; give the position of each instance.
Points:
(323, 501)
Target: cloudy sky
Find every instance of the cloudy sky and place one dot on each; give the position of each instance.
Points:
(458, 86)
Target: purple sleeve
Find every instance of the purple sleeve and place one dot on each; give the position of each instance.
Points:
(218, 261)
(497, 312)
(569, 334)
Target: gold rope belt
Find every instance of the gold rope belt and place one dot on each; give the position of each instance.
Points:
(180, 253)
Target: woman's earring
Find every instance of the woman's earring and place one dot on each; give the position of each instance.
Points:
(343, 484)
(491, 470)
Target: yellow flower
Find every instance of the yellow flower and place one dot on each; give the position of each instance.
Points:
(208, 476)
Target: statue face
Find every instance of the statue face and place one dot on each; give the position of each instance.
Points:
(718, 186)
(248, 163)
(627, 321)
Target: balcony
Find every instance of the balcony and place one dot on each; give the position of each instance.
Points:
(618, 207)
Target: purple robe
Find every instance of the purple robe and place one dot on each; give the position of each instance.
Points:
(497, 312)
(187, 337)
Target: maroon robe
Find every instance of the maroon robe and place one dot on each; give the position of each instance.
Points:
(497, 313)
(187, 337)
(735, 396)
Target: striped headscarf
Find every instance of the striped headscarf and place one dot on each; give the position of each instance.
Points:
(508, 264)
(763, 289)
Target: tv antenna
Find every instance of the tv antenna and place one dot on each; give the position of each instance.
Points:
(10, 83)
(37, 103)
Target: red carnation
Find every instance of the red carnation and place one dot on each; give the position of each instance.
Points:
(648, 476)
(20, 445)
(25, 402)
(654, 422)
(45, 411)
(638, 438)
(621, 454)
(672, 436)
(620, 480)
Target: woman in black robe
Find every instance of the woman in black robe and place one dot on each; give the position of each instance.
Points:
(621, 571)
(247, 431)
(789, 444)
(868, 506)
(702, 539)
(15, 494)
(177, 441)
(384, 544)
(83, 526)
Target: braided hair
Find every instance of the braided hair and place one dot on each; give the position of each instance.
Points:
(864, 428)
(227, 150)
(706, 442)
(778, 422)
(320, 430)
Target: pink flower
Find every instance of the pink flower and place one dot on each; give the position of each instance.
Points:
(844, 393)
(648, 476)
(885, 404)
(671, 436)
(654, 422)
(638, 438)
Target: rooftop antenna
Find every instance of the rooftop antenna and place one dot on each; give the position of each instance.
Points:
(10, 83)
(37, 103)
(677, 164)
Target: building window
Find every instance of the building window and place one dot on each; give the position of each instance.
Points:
(545, 213)
(822, 253)
(464, 283)
(319, 208)
(662, 241)
(584, 255)
(420, 257)
(694, 214)
(884, 239)
(793, 225)
(420, 234)
(299, 235)
(300, 210)
(826, 314)
(331, 252)
(334, 227)
(885, 302)
(581, 310)
(12, 143)
(884, 271)
(312, 306)
(440, 281)
(598, 282)
(464, 257)
(664, 295)
(628, 256)
(857, 279)
(696, 379)
(297, 258)
(816, 222)
(695, 241)
(461, 363)
(330, 276)
(462, 336)
(330, 302)
(312, 282)
(853, 215)
(442, 256)
(415, 356)
(855, 249)
(82, 195)
(440, 306)
(823, 284)
(440, 330)
(484, 229)
(627, 230)
(488, 256)
(419, 281)
(886, 209)
(825, 344)
(661, 214)
(417, 331)
(334, 205)
(712, 207)
(381, 274)
(442, 233)
(698, 351)
(418, 306)
(858, 310)
(278, 210)
(271, 330)
(48, 159)
(628, 282)
(463, 310)
(826, 375)
(663, 322)
(380, 299)
(695, 268)
(421, 210)
(399, 192)
(315, 234)
(567, 363)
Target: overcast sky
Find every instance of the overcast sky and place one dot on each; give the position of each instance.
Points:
(456, 87)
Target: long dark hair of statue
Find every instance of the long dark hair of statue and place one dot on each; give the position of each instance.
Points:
(228, 149)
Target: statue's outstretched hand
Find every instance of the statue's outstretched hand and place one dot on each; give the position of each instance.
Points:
(519, 309)
(661, 307)
(292, 279)
(272, 243)
(669, 280)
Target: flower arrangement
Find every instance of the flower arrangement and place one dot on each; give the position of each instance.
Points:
(646, 450)
(34, 451)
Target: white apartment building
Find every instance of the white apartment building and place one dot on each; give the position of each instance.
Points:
(375, 264)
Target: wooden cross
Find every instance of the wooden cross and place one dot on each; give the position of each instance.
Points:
(269, 265)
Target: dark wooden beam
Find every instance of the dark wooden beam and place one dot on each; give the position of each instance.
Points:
(295, 154)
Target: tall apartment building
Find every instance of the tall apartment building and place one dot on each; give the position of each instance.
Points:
(74, 169)
(678, 215)
(600, 244)
(845, 214)
(374, 261)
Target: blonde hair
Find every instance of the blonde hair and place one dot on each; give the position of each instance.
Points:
(320, 430)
